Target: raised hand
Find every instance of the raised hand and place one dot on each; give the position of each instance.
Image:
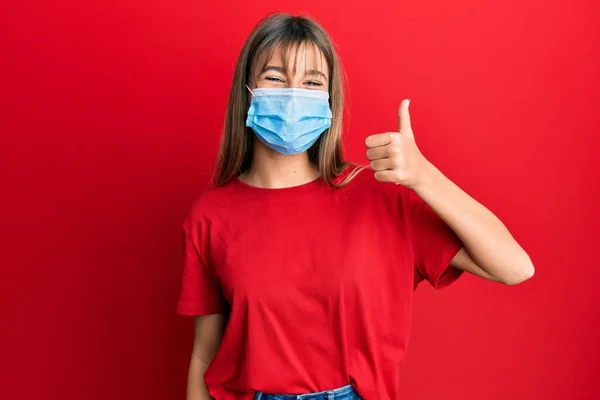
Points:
(395, 156)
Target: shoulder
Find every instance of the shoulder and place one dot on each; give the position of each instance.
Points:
(365, 183)
(211, 203)
(363, 179)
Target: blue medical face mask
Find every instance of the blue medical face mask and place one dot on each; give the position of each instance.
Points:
(289, 120)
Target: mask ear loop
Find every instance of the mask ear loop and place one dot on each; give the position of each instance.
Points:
(250, 90)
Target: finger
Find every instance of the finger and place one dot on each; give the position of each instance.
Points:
(386, 176)
(404, 117)
(378, 152)
(381, 164)
(381, 139)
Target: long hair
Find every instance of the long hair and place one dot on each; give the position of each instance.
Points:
(284, 31)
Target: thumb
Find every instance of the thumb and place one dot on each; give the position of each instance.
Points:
(404, 118)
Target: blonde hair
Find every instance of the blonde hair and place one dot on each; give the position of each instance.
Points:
(287, 31)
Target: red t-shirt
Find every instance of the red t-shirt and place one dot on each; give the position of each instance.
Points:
(318, 283)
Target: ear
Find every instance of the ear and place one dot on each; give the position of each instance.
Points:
(249, 94)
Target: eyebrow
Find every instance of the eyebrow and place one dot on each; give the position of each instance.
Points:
(314, 72)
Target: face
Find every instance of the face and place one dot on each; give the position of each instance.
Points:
(311, 72)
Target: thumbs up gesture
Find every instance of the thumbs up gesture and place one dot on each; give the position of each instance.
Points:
(395, 156)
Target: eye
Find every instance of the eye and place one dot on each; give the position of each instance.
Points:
(274, 79)
(314, 83)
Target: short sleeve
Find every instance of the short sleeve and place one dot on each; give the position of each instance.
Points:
(434, 243)
(200, 292)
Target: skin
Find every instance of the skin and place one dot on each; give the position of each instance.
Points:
(208, 332)
(490, 252)
(271, 169)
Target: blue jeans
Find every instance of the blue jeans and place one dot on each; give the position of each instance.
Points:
(345, 392)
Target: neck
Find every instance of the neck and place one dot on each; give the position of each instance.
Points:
(273, 170)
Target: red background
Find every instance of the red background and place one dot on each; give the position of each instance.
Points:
(110, 118)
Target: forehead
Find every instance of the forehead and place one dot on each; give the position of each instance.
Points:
(293, 57)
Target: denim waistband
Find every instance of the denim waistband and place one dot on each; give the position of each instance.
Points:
(345, 392)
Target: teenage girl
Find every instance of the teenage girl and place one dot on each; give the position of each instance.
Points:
(300, 267)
